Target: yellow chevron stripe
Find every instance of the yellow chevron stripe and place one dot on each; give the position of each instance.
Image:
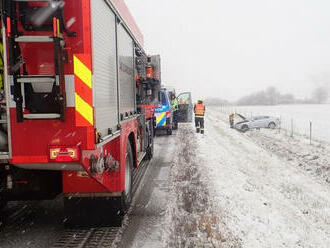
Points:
(160, 117)
(84, 109)
(82, 71)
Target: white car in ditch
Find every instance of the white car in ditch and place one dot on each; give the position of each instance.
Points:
(257, 122)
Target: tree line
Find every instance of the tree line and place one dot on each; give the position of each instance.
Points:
(271, 96)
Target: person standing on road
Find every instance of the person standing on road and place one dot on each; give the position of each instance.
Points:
(199, 110)
(175, 108)
(231, 120)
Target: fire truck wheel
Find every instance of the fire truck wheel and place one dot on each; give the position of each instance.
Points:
(3, 204)
(150, 150)
(169, 131)
(127, 193)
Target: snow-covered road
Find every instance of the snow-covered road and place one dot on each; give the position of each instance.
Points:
(263, 199)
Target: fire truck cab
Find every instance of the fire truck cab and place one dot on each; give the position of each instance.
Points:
(74, 116)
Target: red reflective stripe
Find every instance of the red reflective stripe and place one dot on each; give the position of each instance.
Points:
(54, 26)
(81, 121)
(83, 90)
(8, 27)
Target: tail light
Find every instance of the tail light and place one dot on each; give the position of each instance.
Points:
(168, 114)
(64, 154)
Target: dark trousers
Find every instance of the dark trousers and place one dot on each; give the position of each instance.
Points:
(199, 124)
(175, 119)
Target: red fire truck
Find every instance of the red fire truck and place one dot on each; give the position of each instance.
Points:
(76, 105)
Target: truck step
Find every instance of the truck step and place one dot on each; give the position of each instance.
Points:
(34, 38)
(4, 155)
(36, 79)
(41, 116)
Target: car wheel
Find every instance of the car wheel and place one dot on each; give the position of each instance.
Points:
(244, 128)
(272, 125)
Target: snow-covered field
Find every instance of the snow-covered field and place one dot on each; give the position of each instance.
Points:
(267, 198)
(301, 115)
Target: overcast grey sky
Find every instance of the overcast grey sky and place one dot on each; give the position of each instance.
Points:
(229, 48)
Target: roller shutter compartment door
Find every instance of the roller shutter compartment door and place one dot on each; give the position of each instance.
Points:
(104, 67)
(126, 71)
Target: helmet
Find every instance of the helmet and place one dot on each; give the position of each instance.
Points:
(200, 100)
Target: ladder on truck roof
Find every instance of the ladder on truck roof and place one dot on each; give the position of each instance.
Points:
(36, 96)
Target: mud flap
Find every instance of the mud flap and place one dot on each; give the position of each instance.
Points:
(92, 211)
(19, 184)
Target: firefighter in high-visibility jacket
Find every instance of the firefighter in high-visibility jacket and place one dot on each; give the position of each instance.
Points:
(199, 110)
(231, 120)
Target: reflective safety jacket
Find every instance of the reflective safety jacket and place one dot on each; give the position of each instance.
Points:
(199, 110)
(175, 104)
(231, 117)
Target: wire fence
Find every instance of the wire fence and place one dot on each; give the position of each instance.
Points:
(310, 121)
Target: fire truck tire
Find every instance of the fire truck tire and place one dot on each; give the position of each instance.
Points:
(3, 204)
(169, 131)
(127, 195)
(150, 150)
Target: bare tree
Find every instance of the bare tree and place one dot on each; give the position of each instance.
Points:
(272, 95)
(322, 87)
(320, 95)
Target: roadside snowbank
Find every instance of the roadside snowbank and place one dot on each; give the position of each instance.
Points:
(195, 219)
(315, 158)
